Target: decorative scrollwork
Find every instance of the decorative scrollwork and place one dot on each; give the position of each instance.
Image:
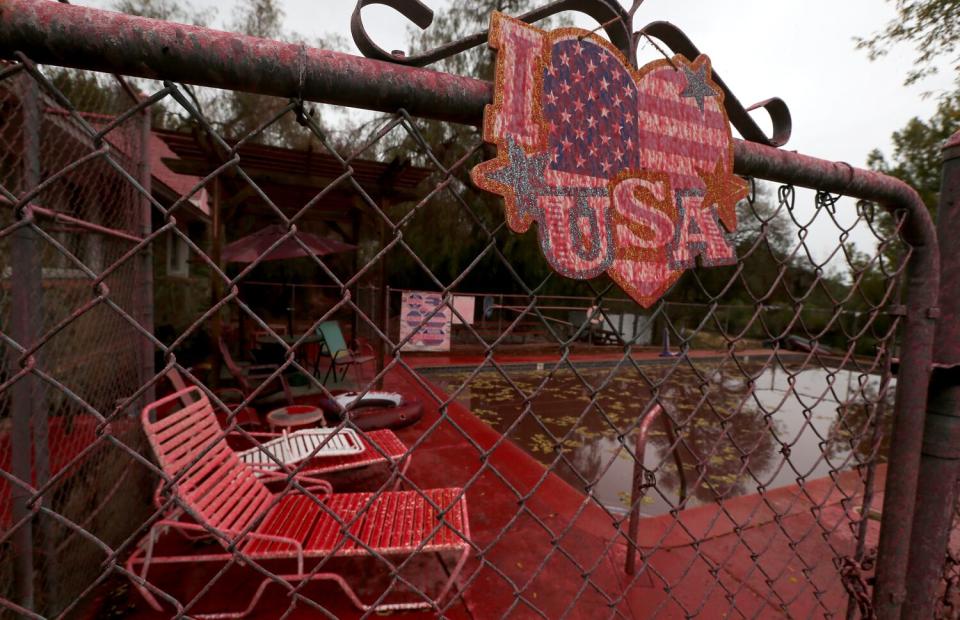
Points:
(613, 19)
(679, 43)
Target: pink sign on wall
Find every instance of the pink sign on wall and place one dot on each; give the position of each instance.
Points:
(426, 334)
(464, 305)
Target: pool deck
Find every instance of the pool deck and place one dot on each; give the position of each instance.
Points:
(536, 355)
(537, 537)
(780, 527)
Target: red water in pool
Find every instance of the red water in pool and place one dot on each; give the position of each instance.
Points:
(728, 430)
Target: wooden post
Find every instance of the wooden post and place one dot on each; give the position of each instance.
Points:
(145, 262)
(382, 297)
(356, 218)
(216, 286)
(26, 316)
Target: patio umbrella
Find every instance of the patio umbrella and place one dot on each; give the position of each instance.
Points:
(250, 248)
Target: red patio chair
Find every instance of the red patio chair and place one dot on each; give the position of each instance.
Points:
(334, 346)
(388, 448)
(229, 503)
(381, 446)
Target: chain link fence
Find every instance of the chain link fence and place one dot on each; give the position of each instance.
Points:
(743, 431)
(85, 218)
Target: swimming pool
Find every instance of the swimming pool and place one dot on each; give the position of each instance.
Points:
(731, 428)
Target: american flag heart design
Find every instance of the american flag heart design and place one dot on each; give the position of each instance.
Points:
(625, 171)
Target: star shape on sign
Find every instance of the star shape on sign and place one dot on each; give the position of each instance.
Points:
(724, 190)
(697, 86)
(522, 174)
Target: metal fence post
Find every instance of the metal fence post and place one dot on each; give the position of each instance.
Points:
(940, 460)
(216, 287)
(145, 291)
(25, 322)
(381, 298)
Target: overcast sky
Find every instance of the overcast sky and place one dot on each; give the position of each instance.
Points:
(803, 51)
(843, 105)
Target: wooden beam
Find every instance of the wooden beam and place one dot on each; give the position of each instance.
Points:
(341, 214)
(239, 197)
(201, 168)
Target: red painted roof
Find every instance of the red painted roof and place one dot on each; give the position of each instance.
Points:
(178, 184)
(302, 163)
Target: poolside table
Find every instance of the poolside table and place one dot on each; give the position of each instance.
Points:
(293, 416)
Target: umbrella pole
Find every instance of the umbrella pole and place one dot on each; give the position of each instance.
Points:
(290, 310)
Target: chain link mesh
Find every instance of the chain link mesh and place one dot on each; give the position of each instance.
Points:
(745, 425)
(89, 351)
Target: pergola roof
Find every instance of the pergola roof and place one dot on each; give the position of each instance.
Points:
(291, 177)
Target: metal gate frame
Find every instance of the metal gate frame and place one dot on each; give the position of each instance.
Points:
(923, 464)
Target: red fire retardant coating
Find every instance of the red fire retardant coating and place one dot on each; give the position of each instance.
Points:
(226, 497)
(679, 550)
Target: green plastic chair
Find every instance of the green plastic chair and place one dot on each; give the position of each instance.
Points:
(334, 346)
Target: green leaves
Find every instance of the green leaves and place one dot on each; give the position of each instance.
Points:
(930, 25)
(916, 150)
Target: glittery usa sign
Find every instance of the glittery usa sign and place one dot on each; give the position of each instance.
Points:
(625, 171)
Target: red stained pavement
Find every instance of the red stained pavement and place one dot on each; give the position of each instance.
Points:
(543, 548)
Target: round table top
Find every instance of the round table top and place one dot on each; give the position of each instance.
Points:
(295, 415)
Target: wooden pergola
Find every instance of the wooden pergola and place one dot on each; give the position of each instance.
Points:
(292, 179)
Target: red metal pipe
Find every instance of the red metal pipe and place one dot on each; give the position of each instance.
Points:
(56, 216)
(946, 351)
(145, 260)
(86, 38)
(940, 460)
(638, 453)
(936, 495)
(26, 310)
